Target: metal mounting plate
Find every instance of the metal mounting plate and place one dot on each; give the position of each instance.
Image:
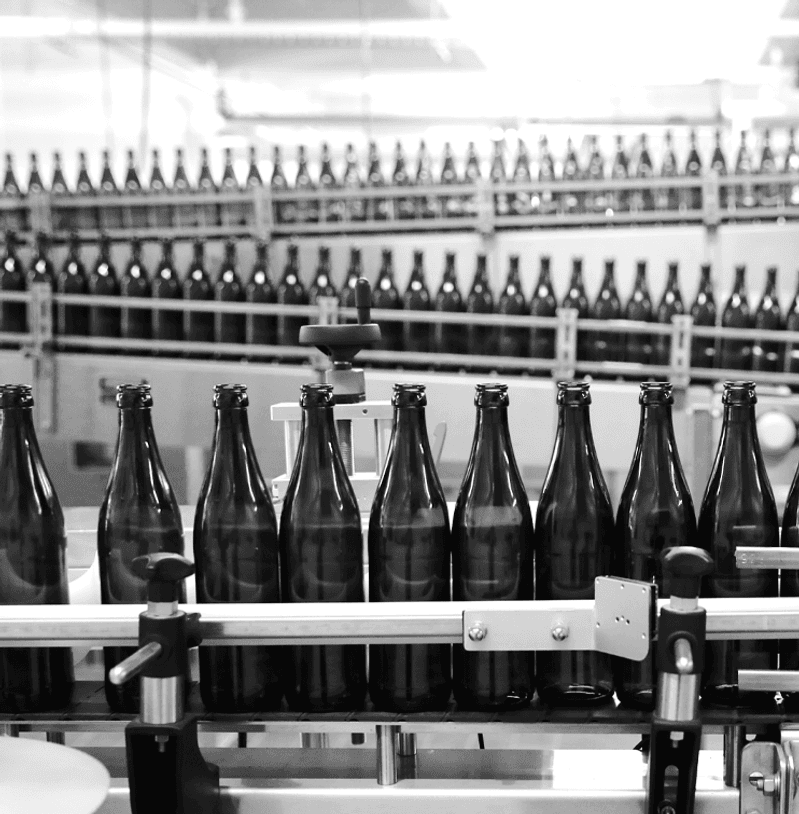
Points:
(767, 761)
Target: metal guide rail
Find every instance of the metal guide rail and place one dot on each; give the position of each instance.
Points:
(260, 211)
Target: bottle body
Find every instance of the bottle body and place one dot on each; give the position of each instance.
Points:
(104, 321)
(543, 303)
(417, 336)
(13, 315)
(136, 323)
(492, 554)
(167, 325)
(480, 300)
(229, 328)
(513, 341)
(703, 312)
(261, 329)
(737, 353)
(33, 544)
(450, 336)
(291, 291)
(198, 326)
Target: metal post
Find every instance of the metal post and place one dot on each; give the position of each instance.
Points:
(734, 741)
(387, 754)
(56, 737)
(315, 740)
(9, 730)
(566, 344)
(407, 744)
(680, 357)
(344, 432)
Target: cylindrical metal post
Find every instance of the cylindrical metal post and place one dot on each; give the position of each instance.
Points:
(387, 754)
(315, 740)
(734, 741)
(407, 744)
(56, 737)
(9, 730)
(344, 432)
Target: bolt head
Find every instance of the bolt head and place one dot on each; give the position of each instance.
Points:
(478, 632)
(560, 633)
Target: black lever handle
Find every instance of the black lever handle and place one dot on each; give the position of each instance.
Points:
(684, 567)
(163, 572)
(363, 300)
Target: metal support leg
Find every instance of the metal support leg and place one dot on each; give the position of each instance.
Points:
(195, 473)
(387, 754)
(344, 432)
(56, 737)
(407, 744)
(9, 730)
(315, 740)
(734, 741)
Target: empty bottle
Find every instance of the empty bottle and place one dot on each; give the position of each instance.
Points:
(236, 553)
(480, 300)
(607, 346)
(790, 191)
(521, 202)
(346, 297)
(186, 214)
(789, 582)
(233, 212)
(655, 513)
(41, 268)
(330, 209)
(497, 175)
(691, 197)
(198, 326)
(62, 218)
(167, 325)
(207, 212)
(471, 176)
(322, 285)
(597, 199)
(643, 199)
(229, 328)
(103, 282)
(135, 216)
(385, 296)
(670, 305)
(668, 198)
(737, 353)
(545, 201)
(376, 208)
(158, 216)
(139, 515)
(291, 291)
(743, 195)
(354, 208)
(12, 219)
(513, 341)
(285, 212)
(492, 554)
(767, 194)
(791, 324)
(619, 200)
(33, 542)
(768, 317)
(577, 299)
(417, 337)
(321, 557)
(639, 309)
(13, 315)
(574, 544)
(719, 164)
(73, 320)
(571, 201)
(543, 303)
(86, 217)
(451, 205)
(307, 208)
(404, 208)
(253, 178)
(409, 560)
(261, 329)
(136, 323)
(449, 335)
(426, 205)
(704, 313)
(738, 510)
(35, 183)
(110, 213)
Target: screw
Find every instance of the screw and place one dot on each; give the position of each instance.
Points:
(478, 632)
(667, 809)
(560, 633)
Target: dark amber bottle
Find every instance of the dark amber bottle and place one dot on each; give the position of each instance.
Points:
(513, 340)
(480, 300)
(198, 326)
(261, 329)
(574, 544)
(792, 324)
(135, 282)
(639, 309)
(577, 299)
(103, 282)
(768, 317)
(670, 305)
(492, 554)
(543, 303)
(229, 328)
(236, 553)
(606, 346)
(33, 543)
(321, 556)
(738, 510)
(450, 336)
(655, 513)
(13, 315)
(737, 353)
(417, 337)
(385, 296)
(409, 559)
(167, 325)
(691, 198)
(322, 285)
(73, 320)
(291, 291)
(704, 312)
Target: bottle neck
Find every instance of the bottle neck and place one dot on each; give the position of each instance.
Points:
(574, 440)
(410, 446)
(137, 459)
(17, 436)
(319, 445)
(656, 432)
(233, 448)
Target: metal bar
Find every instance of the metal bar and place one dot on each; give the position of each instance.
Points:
(179, 348)
(386, 754)
(314, 740)
(769, 680)
(734, 741)
(406, 744)
(766, 558)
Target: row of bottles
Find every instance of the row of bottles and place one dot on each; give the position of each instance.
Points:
(197, 284)
(315, 552)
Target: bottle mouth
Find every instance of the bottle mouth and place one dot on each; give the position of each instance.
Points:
(491, 394)
(16, 396)
(576, 394)
(656, 393)
(739, 393)
(409, 395)
(230, 395)
(316, 395)
(134, 395)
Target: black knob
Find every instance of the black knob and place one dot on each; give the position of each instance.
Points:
(164, 572)
(363, 301)
(684, 566)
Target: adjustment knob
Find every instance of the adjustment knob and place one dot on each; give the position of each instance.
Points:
(777, 432)
(163, 572)
(684, 566)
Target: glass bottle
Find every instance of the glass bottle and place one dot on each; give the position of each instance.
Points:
(639, 309)
(198, 326)
(543, 303)
(386, 296)
(497, 175)
(619, 200)
(790, 192)
(521, 202)
(73, 320)
(409, 560)
(789, 578)
(737, 353)
(185, 214)
(236, 554)
(138, 516)
(86, 217)
(643, 199)
(103, 282)
(691, 198)
(607, 347)
(655, 513)
(492, 554)
(137, 215)
(158, 216)
(471, 176)
(13, 315)
(376, 208)
(417, 337)
(136, 323)
(253, 178)
(426, 206)
(62, 218)
(291, 291)
(670, 305)
(577, 299)
(11, 219)
(233, 212)
(768, 317)
(480, 300)
(35, 183)
(307, 210)
(261, 329)
(719, 164)
(451, 205)
(767, 194)
(743, 194)
(668, 198)
(322, 285)
(330, 209)
(571, 201)
(346, 297)
(545, 201)
(738, 510)
(404, 208)
(41, 268)
(449, 336)
(354, 208)
(704, 312)
(229, 328)
(33, 541)
(513, 341)
(597, 200)
(321, 558)
(208, 212)
(791, 324)
(167, 325)
(284, 212)
(574, 544)
(110, 213)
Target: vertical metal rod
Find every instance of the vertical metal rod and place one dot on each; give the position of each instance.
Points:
(9, 730)
(56, 737)
(315, 740)
(242, 740)
(734, 741)
(344, 432)
(407, 744)
(386, 754)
